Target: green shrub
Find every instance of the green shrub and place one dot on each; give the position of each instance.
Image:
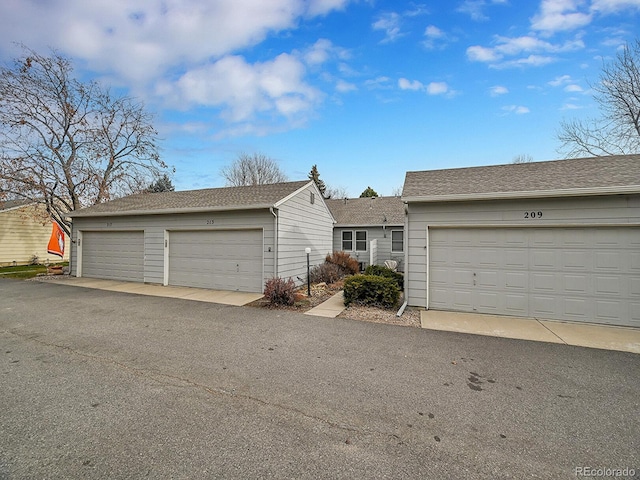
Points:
(382, 271)
(279, 291)
(326, 272)
(371, 290)
(345, 261)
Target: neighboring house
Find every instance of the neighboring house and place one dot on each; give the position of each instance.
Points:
(371, 229)
(25, 230)
(553, 240)
(233, 238)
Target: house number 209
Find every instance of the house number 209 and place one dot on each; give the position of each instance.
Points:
(532, 214)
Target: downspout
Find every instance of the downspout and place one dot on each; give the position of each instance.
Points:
(405, 238)
(275, 241)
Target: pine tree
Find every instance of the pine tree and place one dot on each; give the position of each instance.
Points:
(369, 192)
(162, 184)
(315, 176)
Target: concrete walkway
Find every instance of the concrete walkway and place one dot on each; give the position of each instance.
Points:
(330, 308)
(187, 293)
(583, 335)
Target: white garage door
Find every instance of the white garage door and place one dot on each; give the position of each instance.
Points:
(113, 255)
(220, 260)
(576, 274)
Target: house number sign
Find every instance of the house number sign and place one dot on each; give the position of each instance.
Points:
(210, 222)
(532, 215)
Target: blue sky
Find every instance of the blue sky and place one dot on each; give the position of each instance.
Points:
(364, 89)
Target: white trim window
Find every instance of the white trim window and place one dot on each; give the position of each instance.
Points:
(347, 240)
(361, 240)
(397, 241)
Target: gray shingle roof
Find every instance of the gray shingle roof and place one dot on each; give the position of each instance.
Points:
(9, 204)
(367, 211)
(580, 176)
(209, 199)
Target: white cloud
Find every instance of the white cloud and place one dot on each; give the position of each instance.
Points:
(405, 84)
(477, 53)
(520, 46)
(344, 87)
(573, 88)
(379, 83)
(475, 8)
(561, 80)
(560, 15)
(613, 6)
(322, 51)
(433, 32)
(390, 24)
(138, 42)
(433, 88)
(517, 109)
(437, 88)
(243, 90)
(498, 90)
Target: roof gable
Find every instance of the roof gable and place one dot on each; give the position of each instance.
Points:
(367, 211)
(209, 199)
(12, 204)
(579, 176)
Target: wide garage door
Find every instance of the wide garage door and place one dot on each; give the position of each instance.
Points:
(218, 259)
(575, 274)
(113, 255)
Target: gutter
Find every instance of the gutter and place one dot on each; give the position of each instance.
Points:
(168, 211)
(569, 192)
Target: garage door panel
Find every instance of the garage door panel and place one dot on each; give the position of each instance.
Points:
(113, 255)
(217, 259)
(579, 274)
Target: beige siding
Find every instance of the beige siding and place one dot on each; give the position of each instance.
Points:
(302, 224)
(154, 227)
(561, 212)
(22, 236)
(373, 233)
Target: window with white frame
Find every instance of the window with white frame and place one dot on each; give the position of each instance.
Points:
(347, 241)
(397, 241)
(361, 240)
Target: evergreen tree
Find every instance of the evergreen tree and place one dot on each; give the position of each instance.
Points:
(162, 184)
(369, 192)
(315, 176)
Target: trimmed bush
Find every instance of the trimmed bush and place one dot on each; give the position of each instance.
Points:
(346, 262)
(382, 271)
(325, 272)
(279, 291)
(371, 290)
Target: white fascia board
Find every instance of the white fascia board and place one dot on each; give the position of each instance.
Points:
(570, 192)
(376, 225)
(170, 211)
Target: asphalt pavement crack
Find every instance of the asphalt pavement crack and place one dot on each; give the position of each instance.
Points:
(158, 376)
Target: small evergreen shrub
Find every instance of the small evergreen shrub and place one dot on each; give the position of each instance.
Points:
(382, 271)
(280, 291)
(325, 272)
(371, 290)
(345, 261)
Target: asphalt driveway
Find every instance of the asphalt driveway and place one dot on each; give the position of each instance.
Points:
(100, 384)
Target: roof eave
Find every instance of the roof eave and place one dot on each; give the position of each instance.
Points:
(169, 211)
(570, 192)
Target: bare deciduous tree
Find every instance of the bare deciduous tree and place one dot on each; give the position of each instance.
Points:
(522, 158)
(70, 144)
(336, 192)
(618, 95)
(256, 169)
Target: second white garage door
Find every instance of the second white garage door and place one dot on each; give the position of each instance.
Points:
(218, 259)
(576, 274)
